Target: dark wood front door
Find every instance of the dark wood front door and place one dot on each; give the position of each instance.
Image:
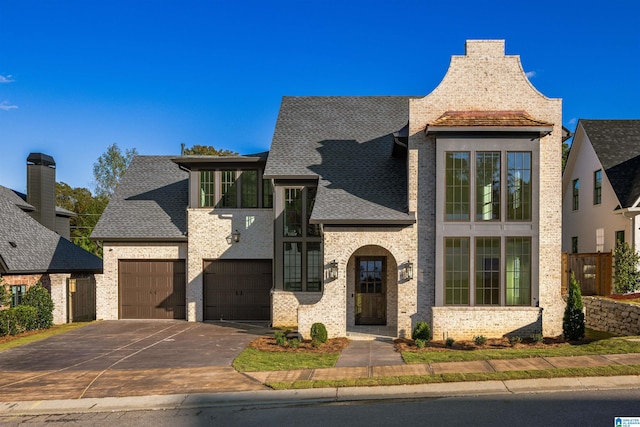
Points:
(371, 291)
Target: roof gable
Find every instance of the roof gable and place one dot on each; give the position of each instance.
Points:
(149, 204)
(617, 145)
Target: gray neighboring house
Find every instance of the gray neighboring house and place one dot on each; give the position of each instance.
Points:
(367, 214)
(34, 245)
(601, 187)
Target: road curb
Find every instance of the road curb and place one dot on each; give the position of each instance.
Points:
(280, 397)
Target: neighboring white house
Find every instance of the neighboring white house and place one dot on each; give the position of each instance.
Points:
(601, 187)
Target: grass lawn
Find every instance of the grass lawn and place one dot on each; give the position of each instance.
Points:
(252, 359)
(9, 341)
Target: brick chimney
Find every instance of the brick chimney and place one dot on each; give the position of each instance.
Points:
(41, 188)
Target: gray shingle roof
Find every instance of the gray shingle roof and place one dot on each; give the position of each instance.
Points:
(617, 145)
(149, 204)
(345, 142)
(26, 246)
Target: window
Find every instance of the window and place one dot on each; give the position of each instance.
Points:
(249, 189)
(519, 186)
(207, 189)
(620, 236)
(574, 245)
(267, 193)
(599, 239)
(234, 189)
(457, 186)
(487, 186)
(576, 194)
(17, 291)
(228, 195)
(456, 270)
(518, 271)
(302, 244)
(487, 271)
(597, 187)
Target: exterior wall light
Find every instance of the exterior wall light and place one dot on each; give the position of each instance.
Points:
(233, 237)
(333, 269)
(408, 270)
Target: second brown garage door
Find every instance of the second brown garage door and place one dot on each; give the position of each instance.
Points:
(237, 290)
(152, 289)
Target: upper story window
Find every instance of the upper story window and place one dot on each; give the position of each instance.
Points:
(576, 194)
(485, 175)
(229, 188)
(597, 187)
(457, 200)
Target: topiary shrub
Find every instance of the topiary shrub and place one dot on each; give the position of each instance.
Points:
(319, 333)
(573, 320)
(37, 296)
(422, 331)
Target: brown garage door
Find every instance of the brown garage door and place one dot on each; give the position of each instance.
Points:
(237, 290)
(152, 289)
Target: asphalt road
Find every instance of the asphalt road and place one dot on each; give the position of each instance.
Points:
(591, 408)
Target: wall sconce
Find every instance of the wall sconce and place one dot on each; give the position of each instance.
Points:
(408, 270)
(333, 269)
(233, 237)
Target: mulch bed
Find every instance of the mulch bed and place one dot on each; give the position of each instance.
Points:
(334, 345)
(407, 345)
(626, 296)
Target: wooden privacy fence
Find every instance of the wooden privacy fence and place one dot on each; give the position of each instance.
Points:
(593, 271)
(81, 299)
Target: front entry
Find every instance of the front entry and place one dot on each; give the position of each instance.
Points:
(371, 291)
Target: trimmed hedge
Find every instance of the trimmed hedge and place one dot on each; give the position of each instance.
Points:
(19, 319)
(319, 333)
(37, 296)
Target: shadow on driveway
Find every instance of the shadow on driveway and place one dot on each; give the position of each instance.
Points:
(129, 358)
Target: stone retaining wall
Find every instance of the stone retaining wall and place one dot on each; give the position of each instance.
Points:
(616, 317)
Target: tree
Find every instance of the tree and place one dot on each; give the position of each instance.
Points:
(207, 150)
(565, 153)
(110, 168)
(88, 210)
(573, 320)
(625, 265)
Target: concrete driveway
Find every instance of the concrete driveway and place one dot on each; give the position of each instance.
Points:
(129, 358)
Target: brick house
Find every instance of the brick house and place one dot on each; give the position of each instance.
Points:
(601, 191)
(34, 241)
(367, 214)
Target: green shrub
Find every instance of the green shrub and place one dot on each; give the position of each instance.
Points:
(420, 343)
(5, 295)
(537, 337)
(480, 340)
(319, 333)
(38, 297)
(294, 342)
(16, 320)
(625, 268)
(573, 320)
(422, 331)
(513, 340)
(449, 342)
(281, 338)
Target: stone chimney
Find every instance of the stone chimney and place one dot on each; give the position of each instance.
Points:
(41, 188)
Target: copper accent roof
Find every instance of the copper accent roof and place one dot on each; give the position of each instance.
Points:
(493, 119)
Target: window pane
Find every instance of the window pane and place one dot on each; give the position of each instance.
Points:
(518, 271)
(314, 267)
(519, 186)
(228, 199)
(487, 186)
(293, 266)
(457, 186)
(371, 276)
(576, 194)
(487, 271)
(597, 187)
(313, 230)
(456, 270)
(207, 188)
(17, 291)
(250, 189)
(292, 212)
(267, 193)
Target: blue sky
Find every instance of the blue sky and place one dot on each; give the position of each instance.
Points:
(77, 76)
